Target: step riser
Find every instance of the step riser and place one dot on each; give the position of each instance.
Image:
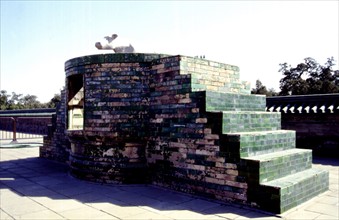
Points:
(217, 86)
(268, 170)
(234, 102)
(250, 121)
(258, 144)
(205, 77)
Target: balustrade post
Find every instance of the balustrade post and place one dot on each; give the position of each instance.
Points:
(14, 130)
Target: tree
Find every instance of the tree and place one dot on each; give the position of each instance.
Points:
(31, 102)
(54, 101)
(18, 101)
(15, 102)
(261, 89)
(3, 99)
(309, 77)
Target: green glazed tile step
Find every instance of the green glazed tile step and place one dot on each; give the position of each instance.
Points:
(242, 88)
(263, 142)
(271, 166)
(285, 193)
(211, 76)
(247, 121)
(218, 101)
(218, 86)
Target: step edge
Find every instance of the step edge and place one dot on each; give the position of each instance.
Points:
(305, 173)
(273, 155)
(260, 132)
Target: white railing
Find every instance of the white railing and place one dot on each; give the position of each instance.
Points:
(8, 135)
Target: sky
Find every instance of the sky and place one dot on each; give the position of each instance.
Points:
(38, 37)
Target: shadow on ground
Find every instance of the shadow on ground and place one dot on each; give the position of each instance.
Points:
(325, 161)
(44, 180)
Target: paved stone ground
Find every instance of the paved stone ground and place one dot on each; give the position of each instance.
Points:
(36, 188)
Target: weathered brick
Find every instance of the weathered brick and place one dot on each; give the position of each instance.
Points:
(180, 122)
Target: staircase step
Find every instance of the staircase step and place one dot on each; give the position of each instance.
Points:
(263, 142)
(239, 87)
(268, 167)
(285, 193)
(218, 101)
(217, 78)
(247, 121)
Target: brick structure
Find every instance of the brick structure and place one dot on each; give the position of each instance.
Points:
(184, 123)
(56, 144)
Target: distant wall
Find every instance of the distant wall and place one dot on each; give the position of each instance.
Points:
(30, 121)
(315, 119)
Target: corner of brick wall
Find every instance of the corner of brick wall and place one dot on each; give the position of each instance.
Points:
(56, 145)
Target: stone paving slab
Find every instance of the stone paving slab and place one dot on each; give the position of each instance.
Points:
(36, 188)
(21, 142)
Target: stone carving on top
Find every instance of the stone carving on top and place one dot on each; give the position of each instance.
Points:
(109, 45)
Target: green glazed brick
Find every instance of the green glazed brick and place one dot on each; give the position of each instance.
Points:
(112, 58)
(297, 188)
(279, 164)
(198, 87)
(224, 78)
(244, 121)
(234, 102)
(258, 143)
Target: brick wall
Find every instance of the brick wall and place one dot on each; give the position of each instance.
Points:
(112, 145)
(183, 149)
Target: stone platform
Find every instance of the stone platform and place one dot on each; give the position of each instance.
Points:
(179, 122)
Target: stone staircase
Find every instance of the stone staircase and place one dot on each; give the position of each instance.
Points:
(279, 176)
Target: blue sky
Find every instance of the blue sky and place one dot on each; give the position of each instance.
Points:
(37, 37)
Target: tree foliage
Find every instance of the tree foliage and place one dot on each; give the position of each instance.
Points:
(18, 101)
(309, 77)
(262, 90)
